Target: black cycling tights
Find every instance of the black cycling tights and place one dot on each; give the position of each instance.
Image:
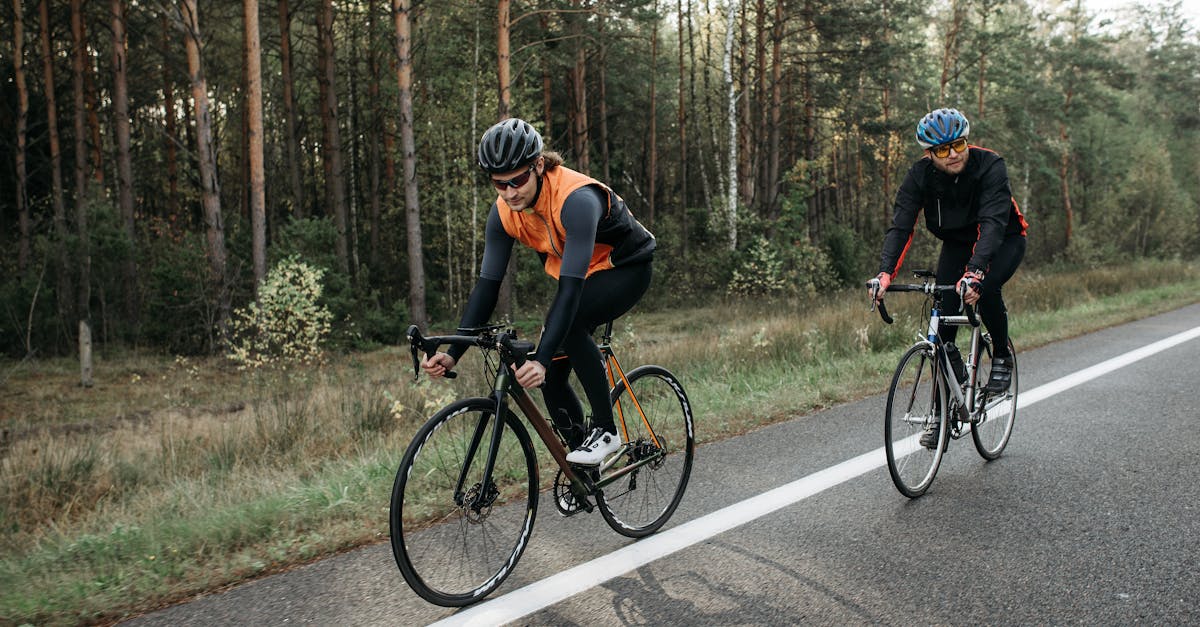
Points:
(606, 295)
(953, 263)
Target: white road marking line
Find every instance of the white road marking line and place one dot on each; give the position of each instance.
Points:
(562, 585)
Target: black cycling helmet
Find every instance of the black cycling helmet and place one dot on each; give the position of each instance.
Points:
(942, 126)
(509, 145)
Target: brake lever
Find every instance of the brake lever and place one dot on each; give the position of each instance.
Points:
(414, 341)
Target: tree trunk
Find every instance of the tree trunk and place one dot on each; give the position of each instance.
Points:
(652, 131)
(950, 47)
(291, 132)
(984, 11)
(92, 104)
(504, 304)
(416, 266)
(376, 127)
(731, 199)
(206, 164)
(602, 80)
(23, 223)
(84, 288)
(579, 81)
(504, 58)
(681, 122)
(172, 208)
(65, 308)
(771, 189)
(547, 83)
(120, 101)
(810, 134)
(254, 115)
(335, 182)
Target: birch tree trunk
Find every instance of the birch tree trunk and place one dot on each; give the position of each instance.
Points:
(412, 207)
(206, 164)
(254, 117)
(731, 197)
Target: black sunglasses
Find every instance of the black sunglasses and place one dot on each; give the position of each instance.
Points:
(515, 181)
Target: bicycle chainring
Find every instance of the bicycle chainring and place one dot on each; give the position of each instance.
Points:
(564, 500)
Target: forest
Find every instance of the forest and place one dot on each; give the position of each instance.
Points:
(159, 159)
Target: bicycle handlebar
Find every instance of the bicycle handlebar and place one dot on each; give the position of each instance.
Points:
(512, 351)
(927, 288)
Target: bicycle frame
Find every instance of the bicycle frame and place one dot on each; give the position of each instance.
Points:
(504, 387)
(934, 341)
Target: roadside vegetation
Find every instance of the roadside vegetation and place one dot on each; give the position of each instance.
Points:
(173, 476)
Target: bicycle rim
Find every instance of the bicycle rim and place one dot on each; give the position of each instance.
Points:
(656, 460)
(992, 435)
(455, 553)
(916, 402)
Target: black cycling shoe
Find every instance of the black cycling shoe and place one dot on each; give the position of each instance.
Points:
(1001, 376)
(929, 439)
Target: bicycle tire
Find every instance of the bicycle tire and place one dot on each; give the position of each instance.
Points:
(641, 501)
(916, 401)
(993, 433)
(454, 554)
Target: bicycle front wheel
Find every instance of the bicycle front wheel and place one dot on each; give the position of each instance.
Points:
(998, 411)
(455, 536)
(916, 405)
(643, 484)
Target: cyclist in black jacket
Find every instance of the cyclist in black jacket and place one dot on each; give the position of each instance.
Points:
(968, 204)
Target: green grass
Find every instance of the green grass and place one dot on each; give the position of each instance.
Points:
(172, 477)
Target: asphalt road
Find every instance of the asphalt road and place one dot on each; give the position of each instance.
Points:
(1092, 516)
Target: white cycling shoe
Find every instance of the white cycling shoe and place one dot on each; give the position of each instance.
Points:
(598, 445)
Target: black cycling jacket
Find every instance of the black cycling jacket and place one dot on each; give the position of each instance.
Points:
(975, 207)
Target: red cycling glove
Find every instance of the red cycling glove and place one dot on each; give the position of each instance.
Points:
(971, 280)
(878, 285)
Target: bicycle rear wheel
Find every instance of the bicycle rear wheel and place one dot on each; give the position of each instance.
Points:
(456, 542)
(656, 457)
(1000, 411)
(916, 403)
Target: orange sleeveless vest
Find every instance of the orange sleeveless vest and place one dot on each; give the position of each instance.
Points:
(540, 227)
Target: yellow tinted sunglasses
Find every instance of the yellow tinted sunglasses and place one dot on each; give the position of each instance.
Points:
(943, 151)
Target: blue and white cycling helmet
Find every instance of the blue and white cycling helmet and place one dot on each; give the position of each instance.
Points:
(942, 126)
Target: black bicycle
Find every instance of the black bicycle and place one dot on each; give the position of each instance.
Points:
(926, 401)
(466, 493)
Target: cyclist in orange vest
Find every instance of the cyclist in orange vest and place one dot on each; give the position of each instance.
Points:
(588, 241)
